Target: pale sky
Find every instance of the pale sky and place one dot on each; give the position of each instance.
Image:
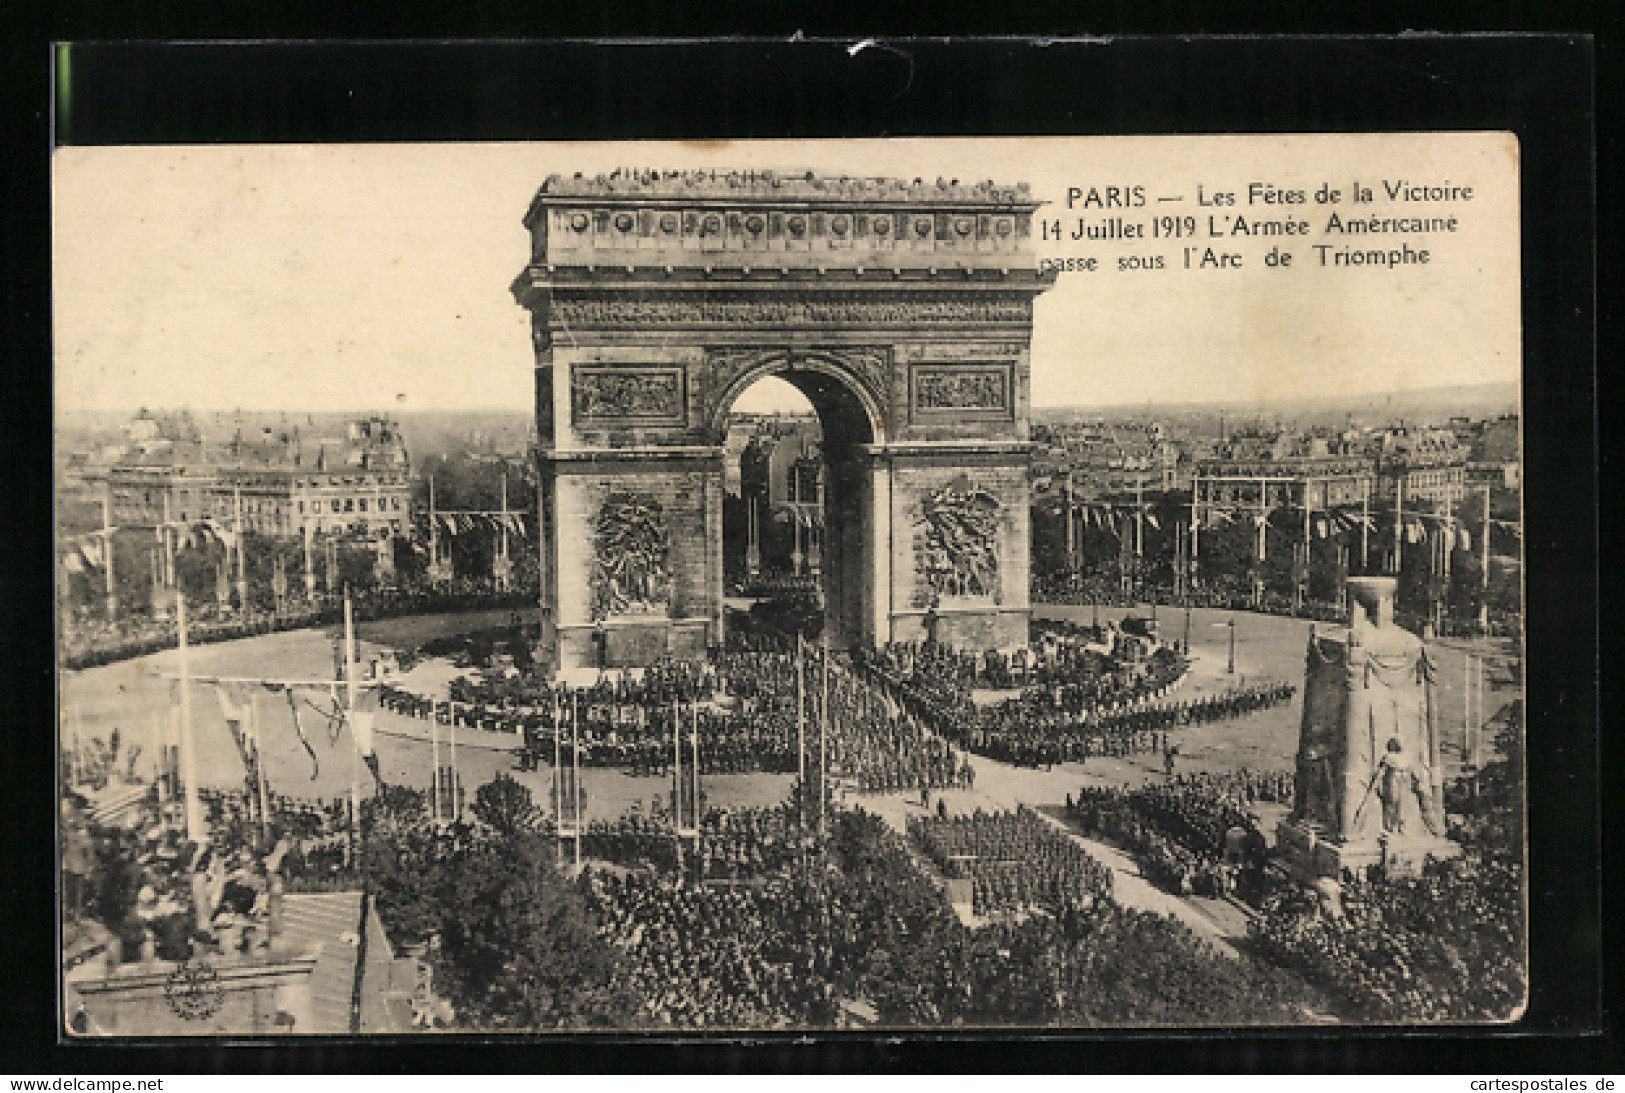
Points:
(375, 277)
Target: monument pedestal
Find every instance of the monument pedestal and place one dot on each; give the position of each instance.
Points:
(1308, 855)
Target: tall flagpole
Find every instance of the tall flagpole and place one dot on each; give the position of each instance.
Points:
(158, 749)
(310, 571)
(1365, 524)
(694, 774)
(259, 767)
(1399, 521)
(677, 785)
(575, 766)
(823, 732)
(107, 550)
(434, 532)
(504, 529)
(801, 725)
(434, 747)
(194, 807)
(456, 780)
(349, 716)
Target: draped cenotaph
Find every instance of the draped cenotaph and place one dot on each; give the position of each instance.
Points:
(1369, 773)
(1369, 778)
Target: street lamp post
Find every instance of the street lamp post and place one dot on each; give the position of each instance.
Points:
(1231, 670)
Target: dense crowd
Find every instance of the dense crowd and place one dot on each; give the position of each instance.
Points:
(777, 586)
(1030, 732)
(733, 844)
(754, 709)
(1015, 861)
(1079, 702)
(868, 939)
(1237, 594)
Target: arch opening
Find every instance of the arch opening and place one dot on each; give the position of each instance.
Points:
(805, 513)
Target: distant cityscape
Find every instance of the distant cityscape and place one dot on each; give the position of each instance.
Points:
(1131, 500)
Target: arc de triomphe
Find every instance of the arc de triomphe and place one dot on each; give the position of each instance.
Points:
(902, 310)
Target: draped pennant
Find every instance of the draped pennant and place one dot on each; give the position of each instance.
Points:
(361, 719)
(1151, 518)
(92, 550)
(299, 730)
(236, 715)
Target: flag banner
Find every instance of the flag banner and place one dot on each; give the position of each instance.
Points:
(1466, 538)
(371, 761)
(368, 700)
(569, 797)
(1151, 518)
(236, 716)
(92, 551)
(361, 727)
(299, 729)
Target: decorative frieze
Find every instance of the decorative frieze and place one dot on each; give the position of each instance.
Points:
(602, 311)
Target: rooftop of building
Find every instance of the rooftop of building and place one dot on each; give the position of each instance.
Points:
(760, 186)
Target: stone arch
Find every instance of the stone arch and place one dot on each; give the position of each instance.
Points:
(902, 312)
(822, 375)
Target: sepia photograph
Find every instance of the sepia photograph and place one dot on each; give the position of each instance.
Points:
(889, 584)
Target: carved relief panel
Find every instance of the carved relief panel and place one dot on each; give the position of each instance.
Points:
(631, 546)
(640, 395)
(978, 391)
(956, 544)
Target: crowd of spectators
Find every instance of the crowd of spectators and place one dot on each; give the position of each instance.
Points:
(137, 890)
(867, 939)
(89, 639)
